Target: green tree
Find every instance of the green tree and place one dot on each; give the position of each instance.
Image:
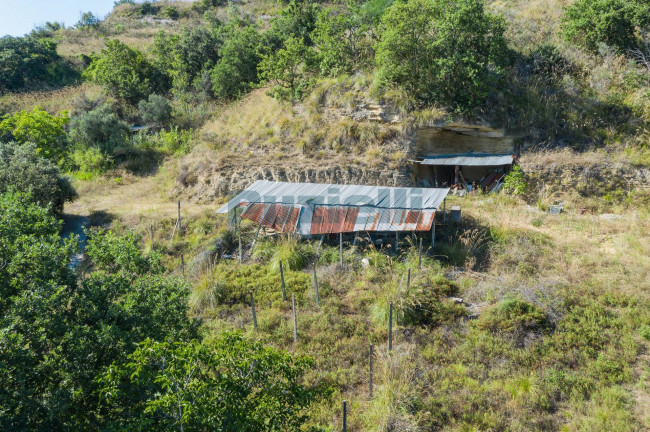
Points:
(339, 36)
(236, 71)
(58, 333)
(232, 384)
(612, 22)
(38, 127)
(23, 170)
(125, 72)
(288, 70)
(26, 62)
(87, 21)
(448, 52)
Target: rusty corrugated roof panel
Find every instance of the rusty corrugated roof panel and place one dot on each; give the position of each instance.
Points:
(385, 218)
(372, 220)
(254, 212)
(412, 217)
(319, 220)
(425, 220)
(337, 219)
(350, 219)
(271, 214)
(399, 220)
(292, 220)
(281, 217)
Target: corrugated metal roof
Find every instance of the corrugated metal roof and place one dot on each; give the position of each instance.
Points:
(469, 159)
(316, 209)
(270, 192)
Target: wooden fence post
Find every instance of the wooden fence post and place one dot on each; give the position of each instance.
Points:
(284, 293)
(183, 265)
(316, 286)
(420, 256)
(295, 320)
(180, 224)
(408, 281)
(396, 241)
(370, 376)
(151, 234)
(341, 249)
(390, 327)
(253, 309)
(345, 416)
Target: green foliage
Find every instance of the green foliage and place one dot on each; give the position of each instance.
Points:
(38, 127)
(58, 333)
(513, 316)
(229, 384)
(28, 63)
(341, 37)
(156, 111)
(100, 129)
(442, 51)
(236, 71)
(288, 70)
(125, 72)
(515, 181)
(612, 22)
(297, 19)
(88, 21)
(22, 168)
(295, 254)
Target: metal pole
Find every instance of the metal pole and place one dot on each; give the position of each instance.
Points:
(316, 286)
(253, 309)
(239, 239)
(341, 249)
(284, 293)
(390, 327)
(396, 241)
(444, 210)
(295, 320)
(345, 416)
(433, 233)
(420, 255)
(370, 380)
(183, 265)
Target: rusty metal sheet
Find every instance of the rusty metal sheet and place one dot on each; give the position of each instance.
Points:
(425, 220)
(254, 212)
(350, 219)
(270, 216)
(337, 219)
(292, 221)
(385, 218)
(412, 217)
(319, 220)
(281, 217)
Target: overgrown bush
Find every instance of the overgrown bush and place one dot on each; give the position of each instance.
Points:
(513, 316)
(40, 128)
(236, 71)
(442, 51)
(611, 22)
(515, 181)
(22, 169)
(155, 111)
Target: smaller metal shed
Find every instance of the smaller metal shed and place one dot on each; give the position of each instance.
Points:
(312, 208)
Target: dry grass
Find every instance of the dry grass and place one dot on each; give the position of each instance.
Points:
(53, 101)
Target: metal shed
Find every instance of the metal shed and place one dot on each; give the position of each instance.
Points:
(312, 208)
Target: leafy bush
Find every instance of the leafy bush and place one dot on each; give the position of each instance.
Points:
(156, 111)
(38, 127)
(87, 21)
(443, 51)
(229, 384)
(27, 62)
(99, 128)
(236, 70)
(612, 22)
(513, 316)
(125, 72)
(515, 181)
(21, 168)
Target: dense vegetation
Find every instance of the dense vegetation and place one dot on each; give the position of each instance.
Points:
(154, 330)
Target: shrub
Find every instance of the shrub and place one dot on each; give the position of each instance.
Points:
(87, 21)
(513, 316)
(170, 12)
(40, 128)
(612, 22)
(442, 51)
(21, 168)
(156, 111)
(295, 254)
(515, 182)
(125, 72)
(26, 62)
(236, 70)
